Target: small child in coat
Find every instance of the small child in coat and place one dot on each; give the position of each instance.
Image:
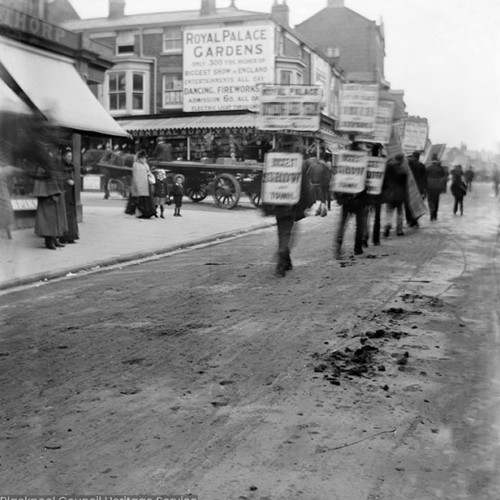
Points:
(161, 192)
(178, 193)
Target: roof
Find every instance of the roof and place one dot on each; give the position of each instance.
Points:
(159, 124)
(158, 18)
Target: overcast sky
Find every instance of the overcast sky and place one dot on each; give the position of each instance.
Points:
(445, 55)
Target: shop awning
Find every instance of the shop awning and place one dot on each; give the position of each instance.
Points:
(55, 87)
(159, 125)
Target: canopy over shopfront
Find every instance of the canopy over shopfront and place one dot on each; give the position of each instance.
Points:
(53, 85)
(161, 126)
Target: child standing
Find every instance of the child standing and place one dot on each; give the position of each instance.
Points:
(161, 192)
(178, 193)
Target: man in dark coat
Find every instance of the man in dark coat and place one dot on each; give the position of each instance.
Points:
(162, 151)
(436, 180)
(319, 175)
(469, 177)
(286, 217)
(420, 175)
(396, 173)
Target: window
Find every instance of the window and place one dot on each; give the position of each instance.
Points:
(127, 90)
(117, 91)
(285, 77)
(172, 90)
(137, 91)
(125, 41)
(172, 39)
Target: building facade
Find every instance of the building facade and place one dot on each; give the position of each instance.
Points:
(171, 66)
(47, 71)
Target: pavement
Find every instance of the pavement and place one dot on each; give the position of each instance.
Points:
(109, 237)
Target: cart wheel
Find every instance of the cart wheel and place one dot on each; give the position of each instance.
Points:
(196, 193)
(255, 198)
(226, 191)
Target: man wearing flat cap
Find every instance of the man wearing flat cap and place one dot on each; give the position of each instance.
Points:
(162, 150)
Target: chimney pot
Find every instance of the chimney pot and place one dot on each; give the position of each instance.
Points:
(116, 9)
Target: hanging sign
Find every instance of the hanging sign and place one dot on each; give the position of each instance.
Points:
(375, 171)
(281, 179)
(290, 107)
(350, 172)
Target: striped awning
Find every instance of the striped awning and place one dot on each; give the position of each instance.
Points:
(160, 125)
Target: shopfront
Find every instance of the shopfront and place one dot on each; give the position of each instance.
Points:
(212, 138)
(45, 85)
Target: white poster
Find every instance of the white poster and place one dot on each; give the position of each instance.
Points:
(383, 124)
(358, 107)
(223, 67)
(375, 172)
(415, 134)
(281, 179)
(350, 172)
(290, 107)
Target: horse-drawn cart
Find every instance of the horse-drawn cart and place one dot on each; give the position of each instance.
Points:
(224, 181)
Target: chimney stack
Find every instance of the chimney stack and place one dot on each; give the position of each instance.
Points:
(208, 8)
(335, 3)
(281, 12)
(116, 9)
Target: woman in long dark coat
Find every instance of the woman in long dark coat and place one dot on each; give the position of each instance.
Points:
(50, 221)
(71, 234)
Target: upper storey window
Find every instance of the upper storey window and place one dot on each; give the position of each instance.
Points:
(125, 41)
(172, 39)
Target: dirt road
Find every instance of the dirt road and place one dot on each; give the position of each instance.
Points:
(370, 378)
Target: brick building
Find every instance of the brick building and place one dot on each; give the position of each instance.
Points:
(358, 42)
(172, 72)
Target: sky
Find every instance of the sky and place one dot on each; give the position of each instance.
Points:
(444, 54)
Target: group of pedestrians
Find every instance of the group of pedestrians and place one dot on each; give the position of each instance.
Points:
(152, 190)
(428, 183)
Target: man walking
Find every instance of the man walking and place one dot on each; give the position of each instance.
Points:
(436, 180)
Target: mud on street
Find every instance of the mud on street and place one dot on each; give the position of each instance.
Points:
(371, 378)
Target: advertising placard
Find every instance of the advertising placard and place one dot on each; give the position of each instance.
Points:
(375, 171)
(358, 107)
(281, 179)
(223, 67)
(350, 172)
(415, 134)
(383, 124)
(290, 107)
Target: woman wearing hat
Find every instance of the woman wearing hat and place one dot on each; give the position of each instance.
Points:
(50, 221)
(140, 190)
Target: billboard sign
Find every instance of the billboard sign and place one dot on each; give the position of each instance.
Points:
(358, 107)
(350, 172)
(415, 134)
(282, 178)
(290, 107)
(223, 67)
(375, 172)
